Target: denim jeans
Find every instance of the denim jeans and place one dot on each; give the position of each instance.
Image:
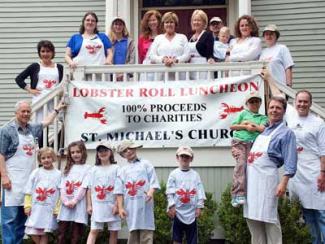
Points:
(13, 223)
(315, 220)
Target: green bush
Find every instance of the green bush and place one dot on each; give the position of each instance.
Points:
(236, 230)
(206, 223)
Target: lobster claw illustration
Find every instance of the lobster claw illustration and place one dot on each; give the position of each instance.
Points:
(97, 115)
(300, 149)
(134, 186)
(228, 109)
(185, 195)
(252, 156)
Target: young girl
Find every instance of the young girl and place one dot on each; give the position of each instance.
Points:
(42, 197)
(73, 212)
(101, 203)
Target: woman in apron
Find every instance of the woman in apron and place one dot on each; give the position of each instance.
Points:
(263, 184)
(89, 46)
(200, 44)
(44, 75)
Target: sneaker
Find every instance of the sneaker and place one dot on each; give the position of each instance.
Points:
(238, 200)
(234, 202)
(241, 200)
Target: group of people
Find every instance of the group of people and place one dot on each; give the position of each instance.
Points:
(291, 137)
(109, 193)
(38, 201)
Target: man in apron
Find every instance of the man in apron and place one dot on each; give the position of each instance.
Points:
(17, 160)
(275, 147)
(308, 185)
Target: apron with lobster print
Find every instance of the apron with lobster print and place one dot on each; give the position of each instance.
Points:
(196, 58)
(91, 52)
(43, 185)
(71, 185)
(262, 181)
(19, 168)
(304, 184)
(101, 181)
(48, 79)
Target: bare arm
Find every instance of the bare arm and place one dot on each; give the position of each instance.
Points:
(68, 58)
(109, 58)
(238, 127)
(271, 82)
(5, 181)
(121, 210)
(321, 177)
(281, 188)
(50, 118)
(288, 72)
(88, 201)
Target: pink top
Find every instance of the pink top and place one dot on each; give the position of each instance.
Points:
(143, 47)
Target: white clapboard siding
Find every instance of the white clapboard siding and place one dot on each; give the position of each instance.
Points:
(23, 23)
(302, 27)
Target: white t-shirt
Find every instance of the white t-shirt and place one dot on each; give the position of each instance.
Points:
(185, 190)
(101, 182)
(43, 186)
(279, 59)
(133, 181)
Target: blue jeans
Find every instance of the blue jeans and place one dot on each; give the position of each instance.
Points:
(315, 220)
(13, 223)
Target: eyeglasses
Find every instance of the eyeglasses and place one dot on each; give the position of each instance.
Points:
(215, 23)
(254, 101)
(184, 156)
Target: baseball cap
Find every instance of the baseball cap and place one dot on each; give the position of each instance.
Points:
(185, 150)
(215, 19)
(127, 144)
(104, 144)
(252, 95)
(272, 28)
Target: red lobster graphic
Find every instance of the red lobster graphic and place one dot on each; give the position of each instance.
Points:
(102, 190)
(70, 186)
(92, 48)
(49, 83)
(252, 156)
(300, 149)
(134, 186)
(229, 110)
(185, 195)
(99, 115)
(28, 149)
(43, 193)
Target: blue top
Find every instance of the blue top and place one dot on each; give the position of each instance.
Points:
(282, 148)
(120, 51)
(9, 137)
(76, 40)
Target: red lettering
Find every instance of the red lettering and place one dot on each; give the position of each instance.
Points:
(253, 85)
(223, 88)
(243, 87)
(143, 92)
(233, 88)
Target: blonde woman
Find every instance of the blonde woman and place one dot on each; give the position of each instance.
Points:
(171, 47)
(201, 42)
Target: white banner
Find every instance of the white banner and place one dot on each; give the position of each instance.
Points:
(158, 114)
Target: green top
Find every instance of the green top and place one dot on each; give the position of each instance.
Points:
(244, 135)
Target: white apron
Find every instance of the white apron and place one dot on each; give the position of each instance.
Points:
(19, 168)
(91, 52)
(196, 58)
(48, 79)
(262, 181)
(304, 184)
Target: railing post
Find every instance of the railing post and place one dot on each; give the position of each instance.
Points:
(79, 73)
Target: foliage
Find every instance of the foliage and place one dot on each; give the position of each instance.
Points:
(236, 230)
(206, 223)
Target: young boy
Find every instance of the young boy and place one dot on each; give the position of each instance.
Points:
(135, 185)
(186, 197)
(221, 47)
(248, 125)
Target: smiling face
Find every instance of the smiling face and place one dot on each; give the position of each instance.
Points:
(46, 159)
(76, 154)
(169, 27)
(303, 104)
(90, 24)
(215, 27)
(118, 27)
(269, 38)
(129, 154)
(153, 23)
(197, 23)
(104, 155)
(254, 104)
(46, 54)
(275, 111)
(184, 161)
(245, 28)
(23, 113)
